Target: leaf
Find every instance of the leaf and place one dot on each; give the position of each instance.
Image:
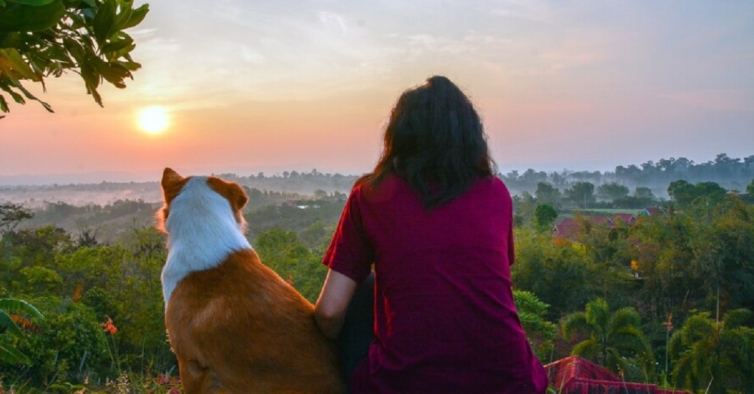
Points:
(118, 45)
(12, 61)
(16, 97)
(19, 307)
(113, 73)
(123, 17)
(32, 97)
(74, 48)
(137, 16)
(29, 18)
(11, 355)
(131, 66)
(103, 21)
(3, 104)
(7, 325)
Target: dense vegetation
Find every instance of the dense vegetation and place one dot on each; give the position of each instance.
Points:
(665, 300)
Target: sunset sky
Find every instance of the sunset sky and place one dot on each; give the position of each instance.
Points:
(269, 86)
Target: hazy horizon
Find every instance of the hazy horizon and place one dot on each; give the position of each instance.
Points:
(126, 176)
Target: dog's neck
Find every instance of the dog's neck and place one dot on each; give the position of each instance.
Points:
(202, 231)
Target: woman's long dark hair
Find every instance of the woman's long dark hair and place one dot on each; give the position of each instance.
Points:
(435, 141)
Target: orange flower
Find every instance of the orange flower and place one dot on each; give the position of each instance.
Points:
(109, 326)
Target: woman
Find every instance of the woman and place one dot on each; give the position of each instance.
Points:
(436, 224)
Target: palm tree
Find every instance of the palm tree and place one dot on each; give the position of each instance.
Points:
(614, 341)
(715, 356)
(12, 314)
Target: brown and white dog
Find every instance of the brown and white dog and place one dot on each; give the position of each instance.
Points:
(233, 323)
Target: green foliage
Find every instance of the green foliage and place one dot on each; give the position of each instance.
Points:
(295, 215)
(706, 193)
(715, 356)
(69, 344)
(663, 264)
(560, 275)
(540, 332)
(697, 260)
(544, 216)
(612, 191)
(120, 281)
(12, 313)
(524, 206)
(750, 188)
(283, 252)
(581, 194)
(40, 38)
(614, 341)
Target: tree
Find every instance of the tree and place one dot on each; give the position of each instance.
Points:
(750, 188)
(581, 194)
(524, 206)
(722, 243)
(643, 192)
(560, 275)
(11, 215)
(614, 341)
(545, 215)
(547, 194)
(612, 191)
(641, 198)
(715, 355)
(685, 194)
(42, 38)
(12, 313)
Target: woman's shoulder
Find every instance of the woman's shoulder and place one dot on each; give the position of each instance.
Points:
(492, 184)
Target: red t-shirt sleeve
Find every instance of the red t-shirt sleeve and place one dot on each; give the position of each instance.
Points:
(349, 252)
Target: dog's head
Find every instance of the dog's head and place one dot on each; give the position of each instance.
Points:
(172, 185)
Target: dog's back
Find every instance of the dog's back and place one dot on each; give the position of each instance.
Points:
(240, 328)
(235, 325)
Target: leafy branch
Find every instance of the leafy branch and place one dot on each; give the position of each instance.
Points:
(42, 38)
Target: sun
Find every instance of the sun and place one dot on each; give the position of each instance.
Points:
(153, 120)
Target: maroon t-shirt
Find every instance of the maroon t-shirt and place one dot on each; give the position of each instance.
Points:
(445, 321)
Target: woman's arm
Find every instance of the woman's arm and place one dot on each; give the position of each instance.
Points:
(330, 311)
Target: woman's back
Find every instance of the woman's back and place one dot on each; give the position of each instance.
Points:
(445, 318)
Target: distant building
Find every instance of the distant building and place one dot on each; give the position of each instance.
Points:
(574, 375)
(652, 211)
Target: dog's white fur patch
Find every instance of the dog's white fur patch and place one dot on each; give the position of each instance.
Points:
(202, 231)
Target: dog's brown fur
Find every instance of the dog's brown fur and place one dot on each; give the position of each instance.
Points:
(239, 328)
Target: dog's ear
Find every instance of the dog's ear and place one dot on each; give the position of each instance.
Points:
(171, 184)
(232, 191)
(238, 196)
